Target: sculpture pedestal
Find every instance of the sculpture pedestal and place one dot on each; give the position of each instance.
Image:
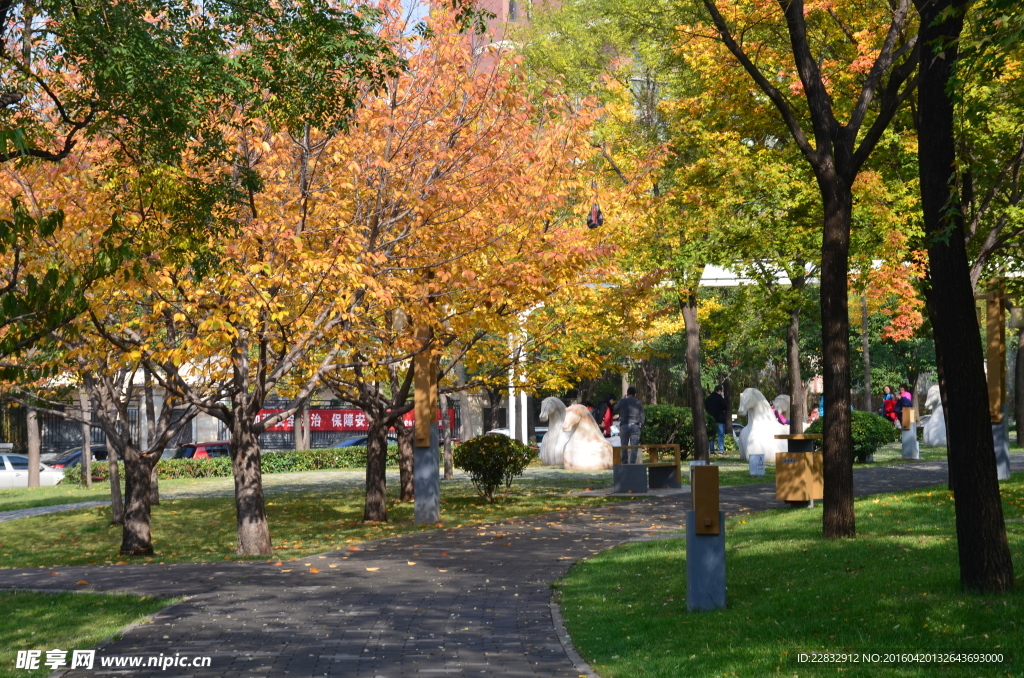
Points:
(910, 448)
(705, 566)
(1001, 439)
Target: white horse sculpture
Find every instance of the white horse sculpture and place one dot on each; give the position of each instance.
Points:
(935, 427)
(552, 410)
(585, 447)
(781, 403)
(758, 436)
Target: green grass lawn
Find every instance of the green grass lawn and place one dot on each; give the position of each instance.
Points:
(893, 588)
(23, 498)
(69, 621)
(301, 523)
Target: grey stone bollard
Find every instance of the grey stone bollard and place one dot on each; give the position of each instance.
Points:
(705, 566)
(910, 447)
(426, 479)
(1001, 440)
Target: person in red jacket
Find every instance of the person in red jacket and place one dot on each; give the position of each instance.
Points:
(605, 414)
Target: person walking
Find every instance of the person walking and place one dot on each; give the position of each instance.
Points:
(716, 406)
(631, 419)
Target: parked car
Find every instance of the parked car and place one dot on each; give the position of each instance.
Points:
(73, 457)
(219, 448)
(51, 457)
(14, 472)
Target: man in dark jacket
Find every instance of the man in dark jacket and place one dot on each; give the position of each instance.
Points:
(631, 418)
(715, 405)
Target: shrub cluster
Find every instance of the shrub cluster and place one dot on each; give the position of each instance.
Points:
(870, 431)
(671, 425)
(492, 461)
(285, 461)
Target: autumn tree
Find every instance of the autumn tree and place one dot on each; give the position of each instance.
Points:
(868, 75)
(464, 196)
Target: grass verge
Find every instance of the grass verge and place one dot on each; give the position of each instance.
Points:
(895, 588)
(301, 523)
(69, 621)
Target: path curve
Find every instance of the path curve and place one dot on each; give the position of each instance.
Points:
(463, 601)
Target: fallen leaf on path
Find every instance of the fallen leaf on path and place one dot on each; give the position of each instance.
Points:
(82, 582)
(372, 569)
(313, 570)
(410, 562)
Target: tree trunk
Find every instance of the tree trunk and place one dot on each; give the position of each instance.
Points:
(1018, 389)
(376, 509)
(34, 445)
(797, 400)
(406, 481)
(446, 438)
(838, 517)
(985, 562)
(135, 535)
(116, 504)
(307, 436)
(727, 394)
(700, 431)
(154, 488)
(866, 340)
(250, 509)
(83, 399)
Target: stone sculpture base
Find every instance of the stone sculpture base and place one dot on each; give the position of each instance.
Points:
(910, 447)
(705, 566)
(1001, 439)
(629, 478)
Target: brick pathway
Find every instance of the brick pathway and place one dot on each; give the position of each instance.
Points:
(465, 601)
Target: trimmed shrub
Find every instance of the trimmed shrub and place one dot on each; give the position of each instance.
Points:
(870, 431)
(492, 461)
(284, 461)
(668, 425)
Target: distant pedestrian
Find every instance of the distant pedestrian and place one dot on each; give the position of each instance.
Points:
(631, 419)
(604, 415)
(716, 406)
(906, 399)
(814, 415)
(889, 402)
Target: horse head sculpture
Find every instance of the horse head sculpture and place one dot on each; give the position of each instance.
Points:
(934, 434)
(781, 403)
(552, 411)
(758, 436)
(585, 446)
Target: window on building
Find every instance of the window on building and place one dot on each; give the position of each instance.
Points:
(513, 10)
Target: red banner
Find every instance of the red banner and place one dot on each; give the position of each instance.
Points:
(339, 420)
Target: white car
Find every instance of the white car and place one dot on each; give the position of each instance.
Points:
(14, 472)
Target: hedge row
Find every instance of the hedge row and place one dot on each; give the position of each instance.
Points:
(286, 461)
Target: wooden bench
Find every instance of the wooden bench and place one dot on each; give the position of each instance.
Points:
(664, 464)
